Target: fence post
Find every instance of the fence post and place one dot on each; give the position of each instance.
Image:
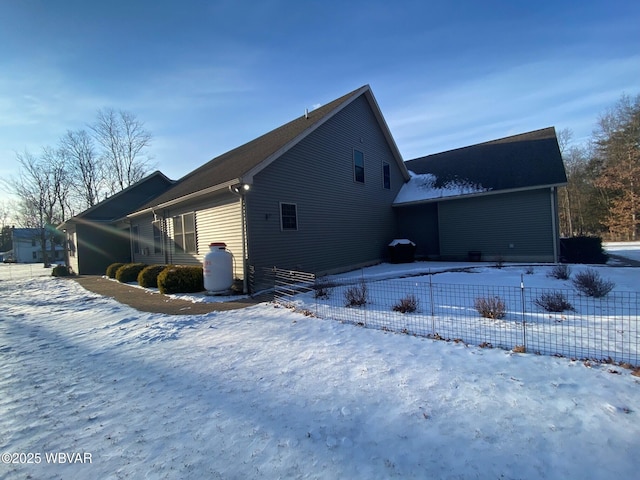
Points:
(524, 320)
(364, 285)
(433, 315)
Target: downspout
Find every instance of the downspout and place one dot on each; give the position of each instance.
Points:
(165, 237)
(164, 244)
(240, 190)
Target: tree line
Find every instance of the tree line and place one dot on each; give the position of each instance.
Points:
(602, 196)
(85, 166)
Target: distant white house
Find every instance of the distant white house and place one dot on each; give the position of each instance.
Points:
(27, 246)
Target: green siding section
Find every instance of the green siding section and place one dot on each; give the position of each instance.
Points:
(341, 223)
(514, 227)
(98, 246)
(419, 223)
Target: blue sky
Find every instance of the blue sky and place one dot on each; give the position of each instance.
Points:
(207, 76)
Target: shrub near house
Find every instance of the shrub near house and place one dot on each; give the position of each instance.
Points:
(148, 276)
(181, 279)
(112, 269)
(129, 272)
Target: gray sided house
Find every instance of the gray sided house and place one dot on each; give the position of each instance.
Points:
(315, 194)
(102, 235)
(495, 200)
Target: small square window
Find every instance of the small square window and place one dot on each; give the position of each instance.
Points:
(288, 216)
(358, 166)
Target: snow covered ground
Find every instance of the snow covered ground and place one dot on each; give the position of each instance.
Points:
(265, 392)
(626, 249)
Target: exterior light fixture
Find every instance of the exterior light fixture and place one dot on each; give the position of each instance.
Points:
(240, 188)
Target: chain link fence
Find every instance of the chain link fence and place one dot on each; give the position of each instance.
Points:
(514, 318)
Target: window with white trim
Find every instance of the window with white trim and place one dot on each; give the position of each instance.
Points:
(288, 216)
(184, 233)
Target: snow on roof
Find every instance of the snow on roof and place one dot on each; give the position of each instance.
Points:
(426, 187)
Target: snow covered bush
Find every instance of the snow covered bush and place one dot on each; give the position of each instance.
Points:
(491, 307)
(554, 302)
(408, 304)
(561, 272)
(181, 279)
(357, 295)
(112, 269)
(148, 276)
(592, 284)
(129, 272)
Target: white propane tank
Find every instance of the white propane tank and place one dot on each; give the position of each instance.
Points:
(218, 268)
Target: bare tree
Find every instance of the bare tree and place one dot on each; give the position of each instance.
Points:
(564, 139)
(123, 140)
(564, 199)
(5, 229)
(41, 186)
(85, 167)
(4, 214)
(582, 206)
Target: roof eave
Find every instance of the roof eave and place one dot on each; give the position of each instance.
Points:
(248, 176)
(475, 195)
(387, 133)
(185, 198)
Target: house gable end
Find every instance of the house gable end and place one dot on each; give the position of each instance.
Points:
(244, 162)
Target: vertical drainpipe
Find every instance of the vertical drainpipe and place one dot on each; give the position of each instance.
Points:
(243, 221)
(165, 237)
(240, 189)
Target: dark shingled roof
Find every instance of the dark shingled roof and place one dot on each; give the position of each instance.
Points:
(118, 205)
(242, 162)
(524, 161)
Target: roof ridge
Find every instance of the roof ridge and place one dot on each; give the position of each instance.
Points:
(518, 136)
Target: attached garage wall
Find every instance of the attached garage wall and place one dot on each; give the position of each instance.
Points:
(514, 227)
(98, 246)
(419, 223)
